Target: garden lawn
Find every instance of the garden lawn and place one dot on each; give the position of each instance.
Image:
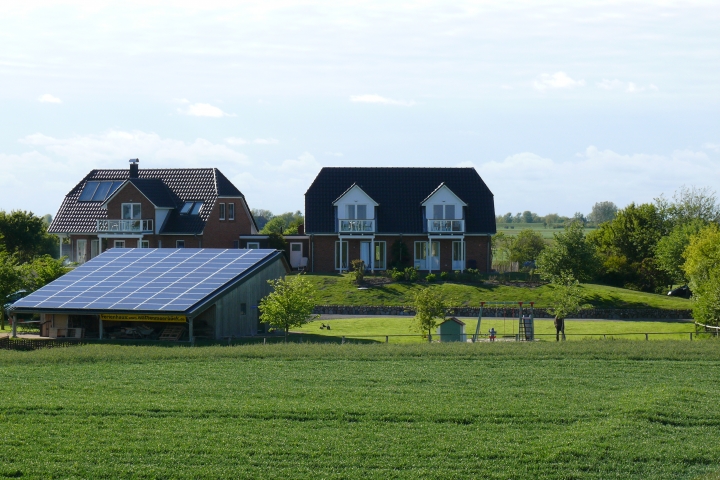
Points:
(340, 290)
(591, 410)
(375, 329)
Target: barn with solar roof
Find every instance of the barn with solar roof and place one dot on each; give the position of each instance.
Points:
(158, 294)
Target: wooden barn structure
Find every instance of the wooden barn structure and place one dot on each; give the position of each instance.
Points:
(158, 294)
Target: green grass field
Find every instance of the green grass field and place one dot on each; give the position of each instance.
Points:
(375, 328)
(593, 409)
(340, 290)
(547, 233)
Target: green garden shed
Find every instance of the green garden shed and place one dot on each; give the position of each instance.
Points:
(452, 330)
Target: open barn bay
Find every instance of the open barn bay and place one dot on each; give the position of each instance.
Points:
(590, 409)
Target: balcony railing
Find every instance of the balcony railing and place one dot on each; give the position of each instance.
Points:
(125, 226)
(357, 226)
(446, 226)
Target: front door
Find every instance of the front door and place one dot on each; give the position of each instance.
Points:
(434, 257)
(458, 258)
(365, 254)
(296, 254)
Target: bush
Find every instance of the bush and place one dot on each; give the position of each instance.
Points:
(411, 274)
(430, 277)
(396, 275)
(444, 276)
(358, 270)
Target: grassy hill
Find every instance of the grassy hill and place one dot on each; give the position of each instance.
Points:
(591, 410)
(340, 290)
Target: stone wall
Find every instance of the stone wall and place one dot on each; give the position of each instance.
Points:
(606, 313)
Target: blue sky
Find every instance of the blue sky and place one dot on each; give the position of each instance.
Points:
(558, 105)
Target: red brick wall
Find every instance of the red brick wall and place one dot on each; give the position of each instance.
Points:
(476, 248)
(223, 233)
(130, 194)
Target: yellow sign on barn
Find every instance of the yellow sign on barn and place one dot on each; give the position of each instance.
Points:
(115, 317)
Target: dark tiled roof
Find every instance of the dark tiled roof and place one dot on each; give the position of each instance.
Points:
(400, 193)
(182, 184)
(156, 191)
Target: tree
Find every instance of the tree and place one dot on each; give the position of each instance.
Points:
(570, 254)
(41, 271)
(500, 245)
(290, 304)
(669, 249)
(507, 218)
(10, 281)
(400, 254)
(262, 217)
(602, 212)
(702, 266)
(690, 203)
(528, 216)
(285, 224)
(526, 247)
(25, 235)
(566, 299)
(579, 217)
(429, 310)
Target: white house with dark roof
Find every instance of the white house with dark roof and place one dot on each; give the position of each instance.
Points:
(152, 208)
(437, 219)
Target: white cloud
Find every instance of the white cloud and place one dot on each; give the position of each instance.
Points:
(373, 98)
(594, 175)
(629, 87)
(715, 147)
(558, 80)
(204, 110)
(47, 98)
(266, 141)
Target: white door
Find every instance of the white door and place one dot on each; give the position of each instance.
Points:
(458, 258)
(365, 254)
(81, 254)
(434, 256)
(296, 254)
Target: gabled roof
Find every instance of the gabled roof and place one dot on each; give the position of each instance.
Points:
(182, 184)
(147, 281)
(400, 193)
(440, 187)
(354, 186)
(153, 189)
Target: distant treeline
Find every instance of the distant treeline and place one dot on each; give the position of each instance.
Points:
(601, 212)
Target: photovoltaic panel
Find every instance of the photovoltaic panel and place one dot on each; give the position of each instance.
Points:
(170, 280)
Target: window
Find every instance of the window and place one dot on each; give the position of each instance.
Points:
(186, 208)
(81, 254)
(191, 208)
(222, 211)
(179, 243)
(119, 243)
(420, 251)
(296, 247)
(243, 308)
(253, 245)
(231, 211)
(379, 261)
(94, 248)
(444, 212)
(341, 255)
(144, 243)
(196, 208)
(131, 211)
(356, 212)
(98, 191)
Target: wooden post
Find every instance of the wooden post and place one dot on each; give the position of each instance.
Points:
(646, 336)
(100, 327)
(14, 326)
(342, 342)
(190, 331)
(387, 339)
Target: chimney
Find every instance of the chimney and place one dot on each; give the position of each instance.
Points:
(134, 167)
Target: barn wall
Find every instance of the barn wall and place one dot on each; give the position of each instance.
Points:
(229, 322)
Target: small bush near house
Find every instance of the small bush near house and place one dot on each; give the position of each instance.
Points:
(411, 274)
(358, 270)
(396, 275)
(430, 277)
(444, 276)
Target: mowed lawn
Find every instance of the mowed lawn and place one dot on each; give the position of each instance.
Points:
(340, 290)
(592, 409)
(401, 329)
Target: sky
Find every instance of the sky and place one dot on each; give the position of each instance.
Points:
(557, 105)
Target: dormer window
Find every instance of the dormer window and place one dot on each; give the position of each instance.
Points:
(444, 212)
(98, 191)
(356, 212)
(191, 208)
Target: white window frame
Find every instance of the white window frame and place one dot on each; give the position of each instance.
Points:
(81, 251)
(253, 245)
(380, 264)
(135, 209)
(144, 243)
(231, 211)
(94, 247)
(119, 244)
(179, 243)
(222, 211)
(341, 246)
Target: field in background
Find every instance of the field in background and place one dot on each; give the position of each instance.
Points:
(340, 290)
(375, 328)
(545, 231)
(593, 409)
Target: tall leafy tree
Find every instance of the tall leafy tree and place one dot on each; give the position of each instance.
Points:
(526, 247)
(603, 212)
(702, 266)
(670, 248)
(567, 299)
(25, 235)
(689, 204)
(10, 281)
(290, 304)
(430, 310)
(570, 254)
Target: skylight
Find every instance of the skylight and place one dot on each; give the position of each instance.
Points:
(191, 208)
(98, 191)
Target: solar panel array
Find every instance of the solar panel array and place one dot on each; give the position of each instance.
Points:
(141, 279)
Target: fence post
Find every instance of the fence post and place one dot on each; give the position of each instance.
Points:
(264, 340)
(646, 336)
(342, 342)
(387, 338)
(690, 335)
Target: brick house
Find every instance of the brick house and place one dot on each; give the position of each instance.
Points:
(444, 217)
(153, 208)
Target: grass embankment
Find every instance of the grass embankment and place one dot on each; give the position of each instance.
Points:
(591, 410)
(375, 328)
(340, 290)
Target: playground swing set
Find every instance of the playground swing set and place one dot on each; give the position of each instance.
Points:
(525, 316)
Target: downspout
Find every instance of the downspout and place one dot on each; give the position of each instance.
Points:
(488, 266)
(312, 253)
